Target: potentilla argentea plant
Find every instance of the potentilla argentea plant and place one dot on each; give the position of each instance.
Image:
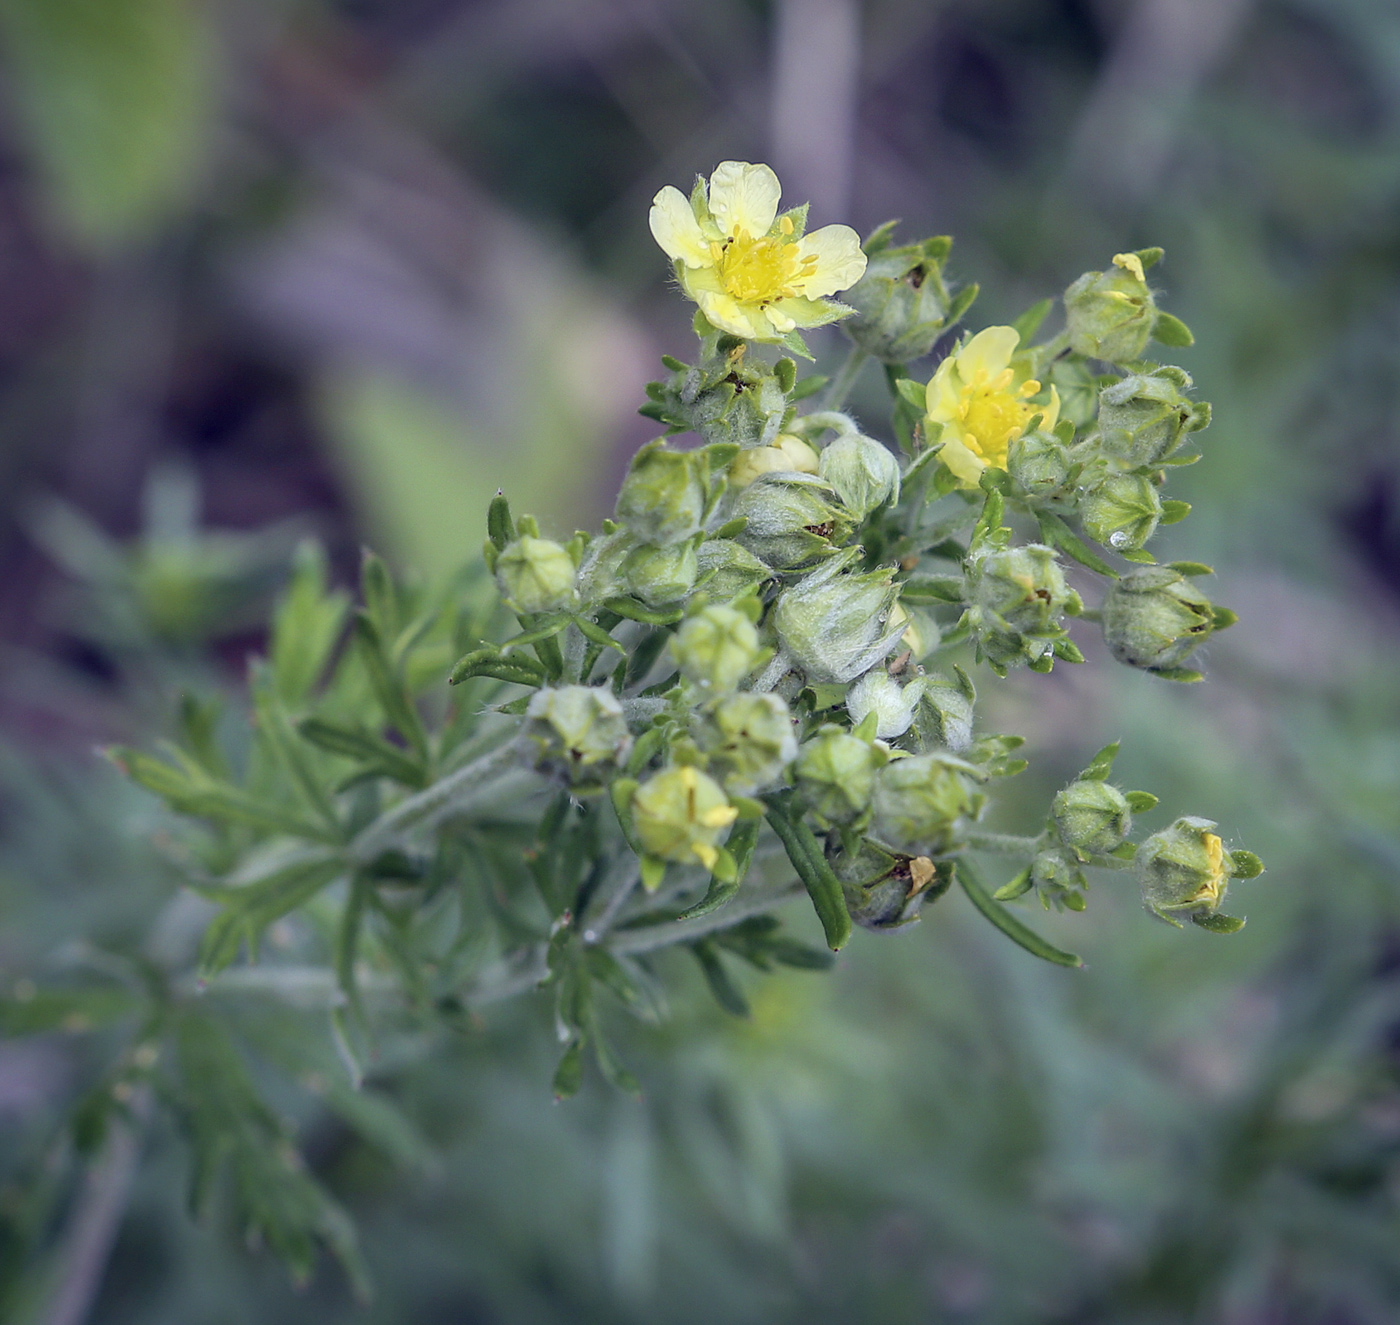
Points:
(747, 684)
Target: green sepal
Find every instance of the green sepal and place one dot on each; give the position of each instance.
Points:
(520, 670)
(653, 871)
(1245, 865)
(646, 747)
(1141, 556)
(1149, 257)
(1058, 534)
(1223, 617)
(731, 528)
(1008, 924)
(595, 634)
(1219, 923)
(1191, 568)
(1016, 887)
(1184, 675)
(962, 301)
(500, 528)
(1172, 331)
(635, 611)
(808, 386)
(1101, 765)
(1140, 801)
(1066, 650)
(920, 590)
(1173, 512)
(912, 390)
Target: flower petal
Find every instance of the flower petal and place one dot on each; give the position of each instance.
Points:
(840, 261)
(989, 350)
(1051, 417)
(726, 313)
(941, 397)
(744, 197)
(674, 227)
(806, 312)
(966, 464)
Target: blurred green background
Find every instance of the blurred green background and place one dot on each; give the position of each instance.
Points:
(278, 267)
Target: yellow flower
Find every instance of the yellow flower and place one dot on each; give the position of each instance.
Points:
(1212, 890)
(787, 455)
(753, 272)
(976, 409)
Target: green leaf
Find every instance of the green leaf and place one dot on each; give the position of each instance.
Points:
(726, 993)
(1184, 675)
(918, 590)
(1029, 322)
(1101, 765)
(1008, 924)
(288, 748)
(1017, 886)
(743, 838)
(1140, 801)
(1191, 568)
(364, 747)
(519, 669)
(651, 616)
(1058, 534)
(807, 386)
(388, 687)
(380, 595)
(305, 626)
(1172, 331)
(568, 1076)
(1219, 924)
(31, 1011)
(812, 868)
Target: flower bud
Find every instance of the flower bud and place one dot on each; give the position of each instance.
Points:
(662, 500)
(901, 302)
(577, 733)
(728, 571)
(835, 772)
(1110, 314)
(833, 622)
(1038, 462)
(1059, 879)
(680, 814)
(787, 455)
(945, 714)
(791, 520)
(1185, 869)
(749, 741)
(661, 574)
(892, 704)
(918, 802)
(887, 889)
(1143, 417)
(535, 575)
(1092, 816)
(921, 633)
(1156, 618)
(1122, 512)
(863, 473)
(600, 573)
(733, 398)
(1018, 597)
(716, 649)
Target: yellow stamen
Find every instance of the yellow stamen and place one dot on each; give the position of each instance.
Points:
(762, 271)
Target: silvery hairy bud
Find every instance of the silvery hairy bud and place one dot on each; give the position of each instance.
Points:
(748, 740)
(600, 572)
(918, 802)
(835, 772)
(728, 571)
(887, 889)
(892, 704)
(863, 473)
(732, 398)
(792, 519)
(1019, 597)
(1122, 512)
(680, 815)
(1110, 314)
(577, 733)
(1156, 618)
(833, 623)
(945, 713)
(1185, 870)
(659, 575)
(1038, 462)
(1143, 417)
(787, 455)
(1092, 816)
(1059, 879)
(535, 575)
(662, 500)
(901, 303)
(717, 648)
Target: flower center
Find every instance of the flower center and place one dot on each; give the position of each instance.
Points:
(1211, 889)
(760, 271)
(994, 414)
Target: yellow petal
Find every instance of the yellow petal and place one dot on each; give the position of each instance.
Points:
(989, 350)
(744, 197)
(965, 463)
(1130, 262)
(840, 262)
(1052, 412)
(941, 397)
(706, 854)
(780, 320)
(719, 817)
(729, 315)
(797, 454)
(674, 227)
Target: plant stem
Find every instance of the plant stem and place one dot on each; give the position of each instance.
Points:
(1004, 842)
(845, 379)
(653, 937)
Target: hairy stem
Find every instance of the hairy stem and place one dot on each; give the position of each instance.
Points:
(845, 379)
(1007, 843)
(652, 937)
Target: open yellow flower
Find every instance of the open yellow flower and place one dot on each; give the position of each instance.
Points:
(976, 408)
(754, 273)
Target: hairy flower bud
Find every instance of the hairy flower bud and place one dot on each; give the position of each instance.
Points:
(535, 575)
(1122, 512)
(1019, 597)
(901, 302)
(863, 473)
(835, 772)
(892, 704)
(1059, 879)
(663, 496)
(791, 519)
(787, 455)
(680, 815)
(1143, 417)
(918, 802)
(728, 571)
(945, 713)
(886, 889)
(1156, 618)
(735, 398)
(1092, 816)
(1038, 462)
(716, 649)
(1185, 869)
(661, 574)
(1110, 314)
(577, 733)
(748, 740)
(833, 623)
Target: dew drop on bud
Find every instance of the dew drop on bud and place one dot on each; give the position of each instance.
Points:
(1118, 538)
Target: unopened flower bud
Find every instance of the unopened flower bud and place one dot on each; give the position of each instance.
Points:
(835, 772)
(1092, 816)
(1038, 462)
(716, 649)
(921, 633)
(834, 623)
(946, 710)
(661, 574)
(892, 704)
(1185, 869)
(864, 474)
(1122, 512)
(663, 497)
(1143, 417)
(887, 889)
(901, 302)
(918, 802)
(535, 575)
(792, 519)
(1059, 878)
(1156, 618)
(787, 455)
(728, 571)
(600, 573)
(737, 399)
(680, 815)
(1019, 597)
(749, 741)
(578, 733)
(1110, 314)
